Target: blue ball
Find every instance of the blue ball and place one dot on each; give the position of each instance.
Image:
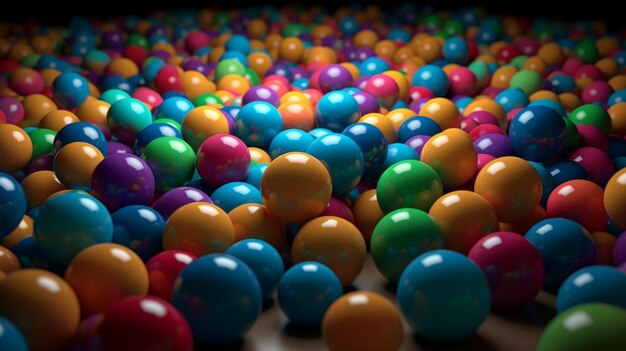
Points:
(565, 247)
(617, 147)
(546, 181)
(538, 133)
(511, 99)
(255, 174)
(113, 95)
(566, 170)
(83, 132)
(319, 132)
(398, 34)
(257, 123)
(139, 228)
(373, 65)
(397, 152)
(372, 143)
(619, 163)
(349, 25)
(263, 259)
(13, 204)
(617, 97)
(116, 82)
(10, 336)
(70, 222)
(301, 83)
(238, 42)
(151, 67)
(456, 50)
(152, 132)
(603, 284)
(231, 195)
(343, 160)
(550, 104)
(418, 125)
(288, 141)
(306, 291)
(336, 110)
(220, 297)
(562, 83)
(432, 77)
(175, 108)
(443, 295)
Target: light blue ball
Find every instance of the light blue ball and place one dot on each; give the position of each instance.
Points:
(257, 123)
(432, 77)
(10, 337)
(289, 140)
(255, 174)
(70, 90)
(511, 99)
(397, 152)
(263, 259)
(231, 195)
(175, 108)
(336, 110)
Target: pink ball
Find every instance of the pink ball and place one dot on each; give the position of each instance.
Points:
(468, 124)
(338, 208)
(513, 268)
(528, 46)
(571, 65)
(491, 91)
(148, 96)
(589, 71)
(384, 89)
(222, 159)
(196, 40)
(596, 163)
(13, 109)
(484, 117)
(598, 91)
(416, 93)
(484, 129)
(592, 136)
(462, 81)
(26, 81)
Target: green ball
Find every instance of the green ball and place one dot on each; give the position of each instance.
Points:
(481, 71)
(592, 115)
(111, 96)
(527, 80)
(294, 30)
(30, 61)
(127, 117)
(172, 161)
(518, 61)
(207, 99)
(408, 184)
(591, 326)
(42, 140)
(400, 237)
(229, 66)
(139, 40)
(586, 50)
(169, 121)
(573, 137)
(252, 77)
(453, 28)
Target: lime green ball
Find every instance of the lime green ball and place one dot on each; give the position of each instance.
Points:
(408, 184)
(252, 77)
(573, 137)
(229, 66)
(518, 61)
(207, 99)
(592, 115)
(400, 237)
(591, 326)
(139, 40)
(172, 161)
(42, 140)
(169, 121)
(30, 61)
(586, 50)
(527, 80)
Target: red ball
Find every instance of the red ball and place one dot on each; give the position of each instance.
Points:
(581, 201)
(196, 40)
(163, 270)
(168, 79)
(598, 91)
(507, 53)
(136, 53)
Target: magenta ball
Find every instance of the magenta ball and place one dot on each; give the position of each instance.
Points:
(13, 109)
(384, 89)
(121, 180)
(484, 117)
(462, 81)
(261, 93)
(338, 208)
(513, 267)
(596, 163)
(41, 163)
(334, 77)
(592, 136)
(222, 159)
(598, 91)
(178, 197)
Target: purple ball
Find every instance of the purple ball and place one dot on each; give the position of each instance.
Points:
(280, 70)
(334, 77)
(230, 120)
(496, 145)
(261, 93)
(417, 143)
(483, 117)
(416, 105)
(197, 65)
(361, 81)
(367, 102)
(619, 250)
(121, 180)
(331, 41)
(41, 163)
(115, 147)
(113, 40)
(179, 197)
(364, 53)
(298, 72)
(162, 54)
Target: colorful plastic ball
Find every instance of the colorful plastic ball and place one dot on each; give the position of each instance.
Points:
(75, 163)
(581, 201)
(36, 107)
(619, 249)
(537, 133)
(338, 208)
(13, 109)
(527, 80)
(289, 140)
(255, 174)
(397, 152)
(229, 311)
(418, 125)
(456, 50)
(14, 204)
(121, 180)
(452, 155)
(597, 284)
(372, 143)
(565, 247)
(175, 108)
(384, 89)
(305, 292)
(111, 96)
(38, 186)
(614, 198)
(16, 148)
(25, 81)
(297, 115)
(261, 93)
(70, 222)
(163, 269)
(43, 307)
(430, 277)
(512, 186)
(253, 221)
(513, 268)
(103, 273)
(433, 78)
(58, 119)
(222, 159)
(596, 163)
(442, 111)
(154, 131)
(617, 113)
(231, 195)
(363, 320)
(263, 259)
(367, 214)
(401, 236)
(408, 183)
(332, 241)
(143, 322)
(127, 117)
(590, 325)
(229, 66)
(8, 262)
(565, 170)
(139, 228)
(175, 198)
(11, 338)
(334, 77)
(171, 160)
(258, 123)
(70, 90)
(201, 123)
(336, 110)
(81, 132)
(367, 103)
(592, 114)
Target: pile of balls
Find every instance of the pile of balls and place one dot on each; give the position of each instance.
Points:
(161, 177)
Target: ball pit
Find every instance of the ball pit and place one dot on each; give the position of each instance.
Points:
(472, 160)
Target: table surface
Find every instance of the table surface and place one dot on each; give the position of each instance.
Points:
(510, 331)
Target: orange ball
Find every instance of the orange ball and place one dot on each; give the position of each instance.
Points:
(552, 54)
(74, 164)
(383, 123)
(42, 45)
(512, 186)
(20, 51)
(618, 118)
(16, 148)
(543, 95)
(260, 63)
(536, 64)
(297, 115)
(36, 106)
(353, 69)
(195, 83)
(254, 221)
(291, 49)
(23, 230)
(199, 228)
(442, 111)
(502, 76)
(8, 261)
(235, 83)
(604, 247)
(273, 40)
(608, 67)
(296, 187)
(201, 123)
(614, 195)
(366, 38)
(122, 66)
(363, 320)
(429, 49)
(39, 186)
(490, 106)
(464, 217)
(452, 155)
(606, 45)
(93, 111)
(385, 48)
(104, 273)
(334, 242)
(539, 214)
(618, 82)
(569, 101)
(43, 306)
(257, 28)
(57, 119)
(49, 75)
(259, 155)
(402, 54)
(399, 116)
(226, 96)
(367, 214)
(295, 96)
